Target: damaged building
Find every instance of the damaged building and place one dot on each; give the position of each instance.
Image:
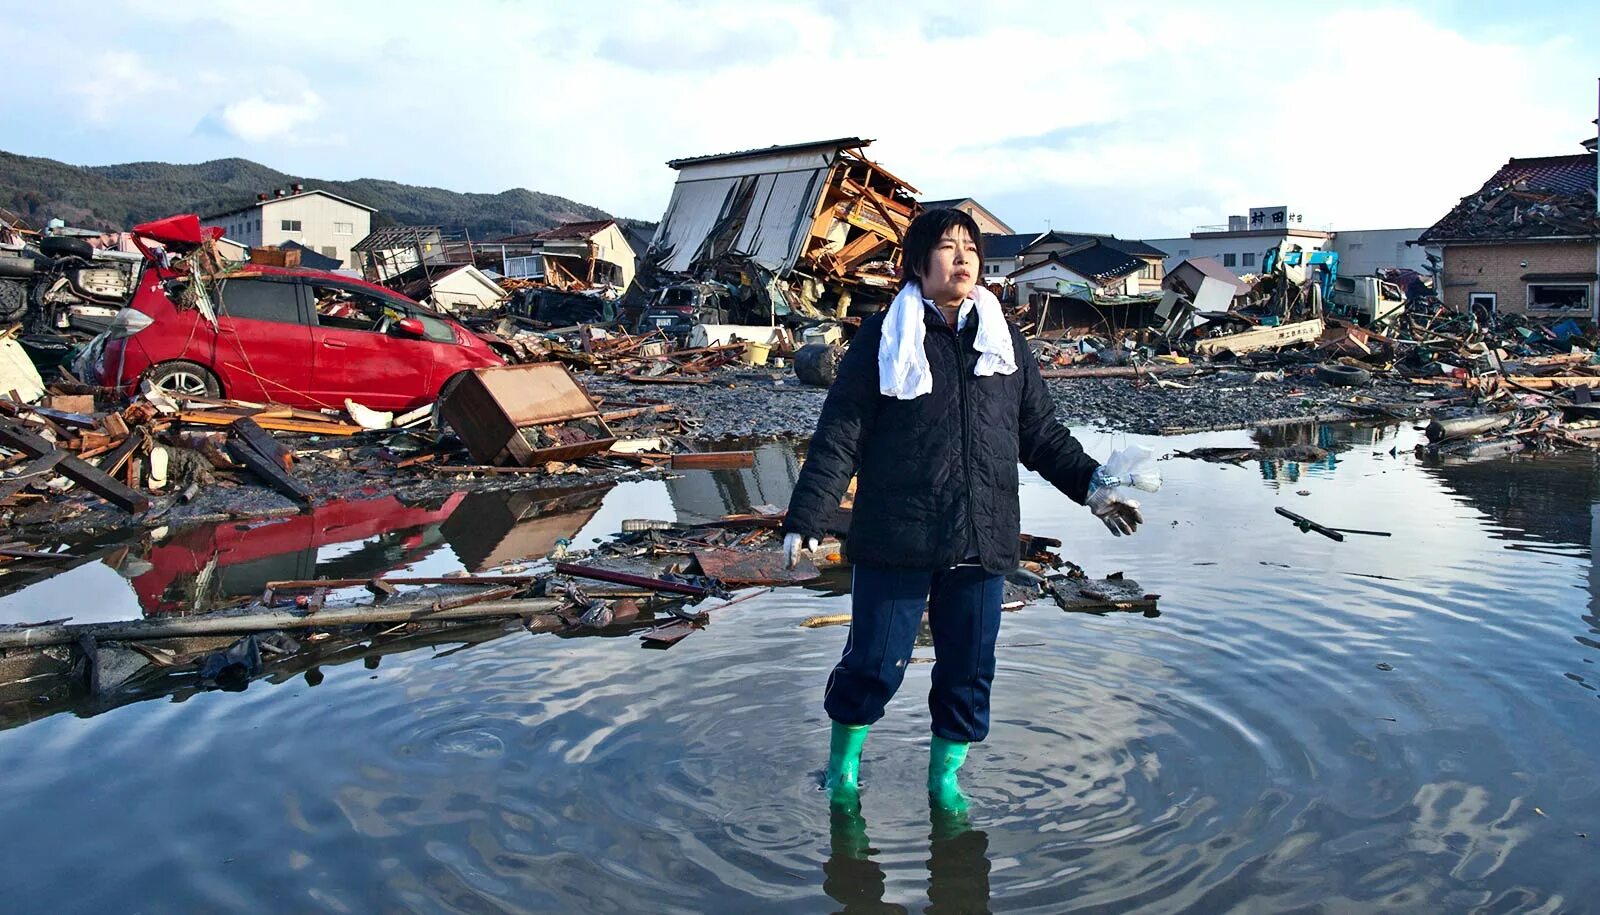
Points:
(820, 218)
(583, 254)
(451, 271)
(1528, 241)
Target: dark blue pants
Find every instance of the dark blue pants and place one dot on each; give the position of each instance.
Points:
(963, 605)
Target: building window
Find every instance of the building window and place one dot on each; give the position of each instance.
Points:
(291, 225)
(344, 228)
(1148, 273)
(1485, 302)
(1183, 252)
(1249, 259)
(1558, 297)
(1229, 260)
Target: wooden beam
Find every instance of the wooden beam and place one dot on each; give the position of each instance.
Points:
(91, 478)
(263, 621)
(218, 418)
(268, 468)
(714, 460)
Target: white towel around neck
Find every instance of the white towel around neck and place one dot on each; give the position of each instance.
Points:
(902, 355)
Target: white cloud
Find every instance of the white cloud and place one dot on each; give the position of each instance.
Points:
(114, 80)
(264, 118)
(1142, 118)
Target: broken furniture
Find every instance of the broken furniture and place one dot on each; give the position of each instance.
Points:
(525, 415)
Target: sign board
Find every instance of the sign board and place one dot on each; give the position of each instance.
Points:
(1274, 218)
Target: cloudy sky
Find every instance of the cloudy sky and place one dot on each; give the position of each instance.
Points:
(1144, 119)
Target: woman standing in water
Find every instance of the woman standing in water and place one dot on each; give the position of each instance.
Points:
(936, 401)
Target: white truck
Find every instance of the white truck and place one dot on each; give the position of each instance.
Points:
(1367, 300)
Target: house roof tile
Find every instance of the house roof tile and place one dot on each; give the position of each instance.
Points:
(1526, 198)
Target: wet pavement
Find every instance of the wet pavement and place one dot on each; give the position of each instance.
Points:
(1398, 723)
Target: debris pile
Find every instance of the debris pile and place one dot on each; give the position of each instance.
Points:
(659, 581)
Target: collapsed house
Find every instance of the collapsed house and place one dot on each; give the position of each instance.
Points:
(451, 271)
(575, 255)
(820, 219)
(1526, 241)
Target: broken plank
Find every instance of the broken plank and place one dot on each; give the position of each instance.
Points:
(90, 478)
(228, 623)
(667, 634)
(41, 467)
(665, 379)
(1545, 382)
(737, 569)
(269, 470)
(310, 427)
(627, 578)
(249, 431)
(714, 460)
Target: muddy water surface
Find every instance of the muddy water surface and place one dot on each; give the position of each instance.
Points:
(1402, 723)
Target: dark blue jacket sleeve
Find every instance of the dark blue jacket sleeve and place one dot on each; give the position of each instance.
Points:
(834, 455)
(1045, 446)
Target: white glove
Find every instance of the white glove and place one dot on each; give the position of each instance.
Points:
(792, 547)
(1111, 505)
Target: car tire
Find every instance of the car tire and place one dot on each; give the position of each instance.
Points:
(1337, 374)
(184, 379)
(13, 300)
(62, 246)
(817, 364)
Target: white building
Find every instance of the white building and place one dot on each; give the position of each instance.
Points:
(1363, 251)
(323, 222)
(1243, 243)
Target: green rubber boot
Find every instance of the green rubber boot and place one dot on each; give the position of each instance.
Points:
(844, 763)
(944, 762)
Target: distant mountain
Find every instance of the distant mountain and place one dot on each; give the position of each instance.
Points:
(120, 196)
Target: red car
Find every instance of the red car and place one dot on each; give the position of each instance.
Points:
(304, 338)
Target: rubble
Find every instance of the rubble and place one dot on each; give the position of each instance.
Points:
(659, 581)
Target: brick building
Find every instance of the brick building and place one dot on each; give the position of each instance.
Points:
(1528, 241)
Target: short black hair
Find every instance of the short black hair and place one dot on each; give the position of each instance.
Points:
(923, 235)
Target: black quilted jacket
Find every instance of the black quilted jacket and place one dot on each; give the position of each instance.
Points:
(930, 467)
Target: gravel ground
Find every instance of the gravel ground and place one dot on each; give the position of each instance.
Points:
(748, 403)
(739, 403)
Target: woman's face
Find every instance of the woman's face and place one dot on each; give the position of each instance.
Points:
(952, 268)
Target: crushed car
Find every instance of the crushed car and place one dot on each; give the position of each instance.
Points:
(203, 327)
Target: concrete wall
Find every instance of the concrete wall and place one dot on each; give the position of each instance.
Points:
(1363, 251)
(1499, 270)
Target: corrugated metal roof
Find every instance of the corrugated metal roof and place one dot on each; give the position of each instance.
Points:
(836, 144)
(575, 229)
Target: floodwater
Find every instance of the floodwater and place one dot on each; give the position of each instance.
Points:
(1403, 723)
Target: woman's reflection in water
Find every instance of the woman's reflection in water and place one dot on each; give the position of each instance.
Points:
(958, 866)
